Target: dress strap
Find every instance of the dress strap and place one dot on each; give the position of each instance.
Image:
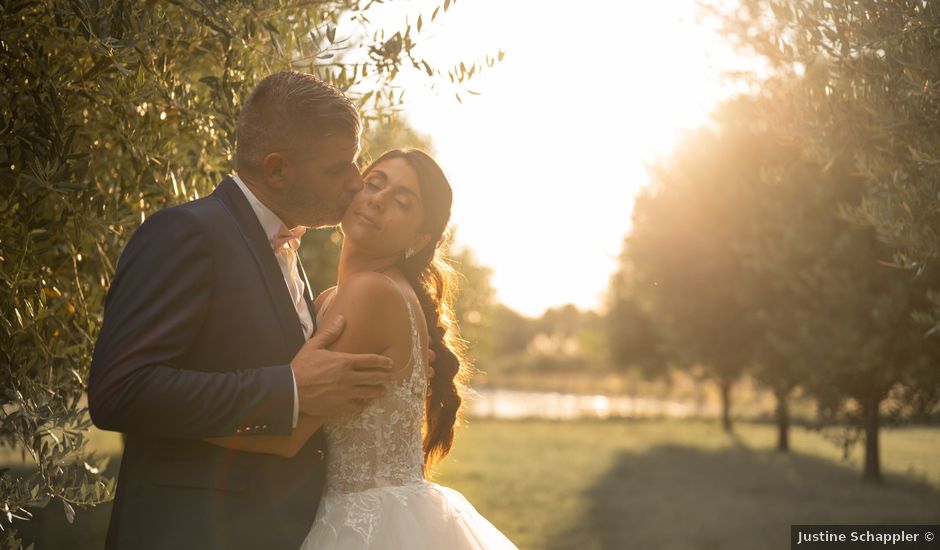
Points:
(400, 291)
(412, 328)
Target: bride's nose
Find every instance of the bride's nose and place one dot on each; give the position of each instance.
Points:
(377, 201)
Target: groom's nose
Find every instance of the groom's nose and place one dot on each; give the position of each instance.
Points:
(354, 182)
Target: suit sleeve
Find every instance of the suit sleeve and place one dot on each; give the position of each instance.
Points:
(156, 305)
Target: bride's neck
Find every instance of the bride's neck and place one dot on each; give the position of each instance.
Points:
(352, 262)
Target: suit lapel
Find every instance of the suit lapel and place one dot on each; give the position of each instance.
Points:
(234, 200)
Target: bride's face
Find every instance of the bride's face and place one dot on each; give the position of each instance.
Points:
(386, 215)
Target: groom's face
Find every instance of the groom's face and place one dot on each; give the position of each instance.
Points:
(320, 181)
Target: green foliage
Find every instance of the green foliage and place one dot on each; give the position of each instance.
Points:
(873, 96)
(563, 339)
(682, 270)
(475, 299)
(634, 338)
(503, 342)
(110, 111)
(509, 333)
(743, 257)
(856, 83)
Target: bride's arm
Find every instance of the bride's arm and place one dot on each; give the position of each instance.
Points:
(281, 445)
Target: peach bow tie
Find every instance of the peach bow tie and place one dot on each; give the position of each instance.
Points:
(291, 237)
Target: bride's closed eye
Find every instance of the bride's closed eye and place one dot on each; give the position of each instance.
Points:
(402, 202)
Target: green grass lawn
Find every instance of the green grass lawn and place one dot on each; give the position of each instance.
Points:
(653, 484)
(680, 484)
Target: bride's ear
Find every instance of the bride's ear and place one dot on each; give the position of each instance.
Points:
(419, 243)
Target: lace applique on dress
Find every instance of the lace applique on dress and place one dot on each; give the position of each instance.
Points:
(376, 497)
(382, 445)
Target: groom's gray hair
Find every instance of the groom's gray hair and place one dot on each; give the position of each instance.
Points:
(286, 106)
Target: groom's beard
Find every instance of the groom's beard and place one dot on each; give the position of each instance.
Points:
(314, 212)
(337, 213)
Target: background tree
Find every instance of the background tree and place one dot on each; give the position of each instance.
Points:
(872, 344)
(682, 256)
(112, 110)
(633, 337)
(476, 299)
(567, 339)
(503, 348)
(875, 100)
(792, 219)
(741, 220)
(866, 98)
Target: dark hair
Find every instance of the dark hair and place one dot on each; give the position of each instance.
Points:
(284, 105)
(434, 282)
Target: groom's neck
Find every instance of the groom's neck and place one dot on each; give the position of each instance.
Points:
(265, 196)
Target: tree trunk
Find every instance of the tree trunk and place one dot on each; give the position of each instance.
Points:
(783, 421)
(725, 405)
(872, 471)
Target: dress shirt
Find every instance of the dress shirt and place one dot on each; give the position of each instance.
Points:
(287, 260)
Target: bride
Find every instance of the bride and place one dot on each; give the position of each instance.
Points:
(394, 291)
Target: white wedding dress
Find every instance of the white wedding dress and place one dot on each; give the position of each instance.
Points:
(376, 495)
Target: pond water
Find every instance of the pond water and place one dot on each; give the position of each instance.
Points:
(509, 404)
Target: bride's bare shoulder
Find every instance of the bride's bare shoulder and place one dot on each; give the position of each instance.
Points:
(368, 285)
(373, 307)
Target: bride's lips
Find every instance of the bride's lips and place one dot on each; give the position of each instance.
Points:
(367, 219)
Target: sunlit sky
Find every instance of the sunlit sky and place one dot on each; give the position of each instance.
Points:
(546, 162)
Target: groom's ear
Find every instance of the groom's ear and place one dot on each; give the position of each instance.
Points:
(273, 167)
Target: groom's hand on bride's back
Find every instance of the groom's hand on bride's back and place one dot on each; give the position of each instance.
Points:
(330, 382)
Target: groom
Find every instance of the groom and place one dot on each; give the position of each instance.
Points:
(207, 333)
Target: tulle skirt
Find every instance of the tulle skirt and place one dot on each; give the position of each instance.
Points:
(418, 516)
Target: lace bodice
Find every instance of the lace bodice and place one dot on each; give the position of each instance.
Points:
(382, 445)
(376, 496)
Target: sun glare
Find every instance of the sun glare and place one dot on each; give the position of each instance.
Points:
(546, 161)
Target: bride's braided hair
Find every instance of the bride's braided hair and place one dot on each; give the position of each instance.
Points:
(434, 283)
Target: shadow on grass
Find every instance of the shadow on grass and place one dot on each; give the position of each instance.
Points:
(669, 497)
(48, 529)
(677, 497)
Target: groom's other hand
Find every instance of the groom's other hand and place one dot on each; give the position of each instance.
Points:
(330, 382)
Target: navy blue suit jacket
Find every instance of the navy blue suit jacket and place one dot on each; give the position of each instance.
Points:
(199, 330)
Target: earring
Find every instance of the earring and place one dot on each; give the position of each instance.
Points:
(409, 252)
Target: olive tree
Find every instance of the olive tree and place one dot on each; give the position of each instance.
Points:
(112, 109)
